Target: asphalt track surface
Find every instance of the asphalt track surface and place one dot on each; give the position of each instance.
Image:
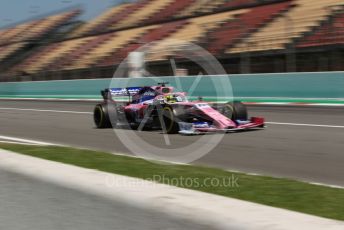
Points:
(30, 204)
(305, 143)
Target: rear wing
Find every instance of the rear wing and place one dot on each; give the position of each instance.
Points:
(119, 93)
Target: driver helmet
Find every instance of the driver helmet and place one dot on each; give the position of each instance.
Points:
(170, 99)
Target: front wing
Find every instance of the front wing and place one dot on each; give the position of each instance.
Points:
(203, 128)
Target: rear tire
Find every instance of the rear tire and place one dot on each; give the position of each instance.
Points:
(101, 116)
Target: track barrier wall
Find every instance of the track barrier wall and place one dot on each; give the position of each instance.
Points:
(322, 87)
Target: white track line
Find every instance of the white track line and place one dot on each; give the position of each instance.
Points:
(18, 143)
(22, 140)
(326, 185)
(46, 110)
(78, 112)
(306, 125)
(279, 177)
(15, 140)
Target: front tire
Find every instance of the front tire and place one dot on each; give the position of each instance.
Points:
(240, 111)
(169, 119)
(235, 111)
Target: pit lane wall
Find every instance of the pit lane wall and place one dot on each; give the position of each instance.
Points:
(321, 87)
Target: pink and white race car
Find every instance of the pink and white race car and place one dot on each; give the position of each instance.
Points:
(159, 107)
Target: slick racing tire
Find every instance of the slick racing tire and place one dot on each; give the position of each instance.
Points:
(240, 111)
(101, 116)
(235, 111)
(169, 119)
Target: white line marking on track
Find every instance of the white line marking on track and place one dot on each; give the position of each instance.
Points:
(279, 177)
(46, 110)
(79, 112)
(306, 125)
(15, 140)
(326, 185)
(22, 140)
(18, 143)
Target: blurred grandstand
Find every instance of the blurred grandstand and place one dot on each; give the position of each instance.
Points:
(246, 36)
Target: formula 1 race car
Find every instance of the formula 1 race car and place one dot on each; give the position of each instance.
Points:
(159, 107)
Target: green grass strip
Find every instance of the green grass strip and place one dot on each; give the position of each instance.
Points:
(284, 193)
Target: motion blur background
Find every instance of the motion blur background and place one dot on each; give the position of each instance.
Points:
(61, 40)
